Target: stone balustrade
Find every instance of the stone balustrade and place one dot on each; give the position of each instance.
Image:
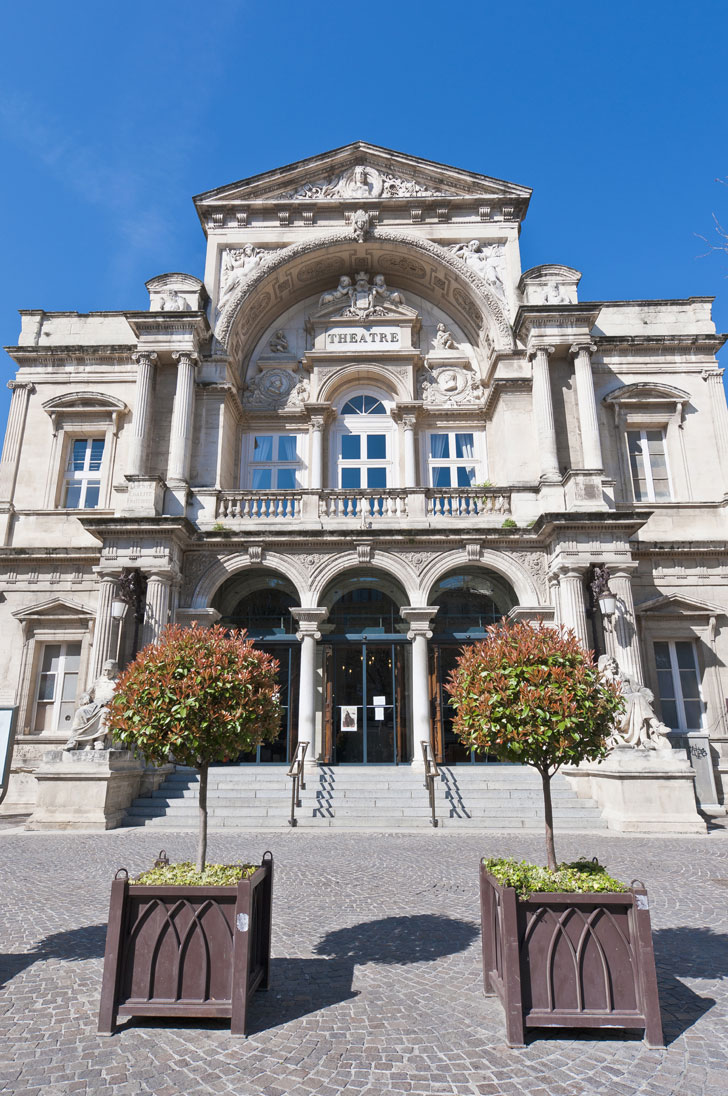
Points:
(432, 505)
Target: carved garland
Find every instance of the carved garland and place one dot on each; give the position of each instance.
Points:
(224, 325)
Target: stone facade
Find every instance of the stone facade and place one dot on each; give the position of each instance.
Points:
(367, 404)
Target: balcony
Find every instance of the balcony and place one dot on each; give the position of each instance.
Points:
(428, 507)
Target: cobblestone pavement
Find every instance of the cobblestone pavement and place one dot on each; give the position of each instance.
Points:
(376, 981)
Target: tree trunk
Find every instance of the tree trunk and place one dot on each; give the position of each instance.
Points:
(202, 837)
(549, 820)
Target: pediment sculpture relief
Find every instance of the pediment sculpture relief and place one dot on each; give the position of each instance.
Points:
(362, 181)
(485, 260)
(238, 263)
(361, 300)
(450, 386)
(276, 388)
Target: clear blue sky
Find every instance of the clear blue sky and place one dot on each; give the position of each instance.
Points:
(113, 115)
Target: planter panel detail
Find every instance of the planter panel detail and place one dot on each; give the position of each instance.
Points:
(187, 951)
(570, 960)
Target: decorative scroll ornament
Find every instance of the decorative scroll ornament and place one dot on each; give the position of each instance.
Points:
(637, 726)
(485, 260)
(449, 386)
(238, 264)
(364, 300)
(362, 181)
(277, 388)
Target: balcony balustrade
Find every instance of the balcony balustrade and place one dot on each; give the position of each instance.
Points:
(437, 506)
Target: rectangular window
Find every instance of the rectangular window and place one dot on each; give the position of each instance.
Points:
(678, 684)
(57, 687)
(275, 463)
(452, 460)
(83, 474)
(648, 465)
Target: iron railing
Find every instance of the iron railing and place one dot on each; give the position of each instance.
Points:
(297, 773)
(432, 773)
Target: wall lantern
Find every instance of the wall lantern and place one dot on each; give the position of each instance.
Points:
(605, 598)
(118, 608)
(131, 589)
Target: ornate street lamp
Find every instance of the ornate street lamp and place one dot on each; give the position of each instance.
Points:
(605, 598)
(131, 590)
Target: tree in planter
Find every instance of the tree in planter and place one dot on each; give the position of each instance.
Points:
(533, 695)
(200, 695)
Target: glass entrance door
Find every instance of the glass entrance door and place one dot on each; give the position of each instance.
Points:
(366, 702)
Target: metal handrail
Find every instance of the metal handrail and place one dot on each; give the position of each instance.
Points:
(297, 773)
(431, 774)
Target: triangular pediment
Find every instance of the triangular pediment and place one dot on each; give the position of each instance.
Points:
(361, 171)
(674, 604)
(59, 608)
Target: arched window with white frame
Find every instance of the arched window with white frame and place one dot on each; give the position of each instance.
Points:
(363, 442)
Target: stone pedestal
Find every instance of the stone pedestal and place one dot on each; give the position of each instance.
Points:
(85, 789)
(642, 791)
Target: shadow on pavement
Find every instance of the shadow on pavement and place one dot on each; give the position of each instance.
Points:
(86, 942)
(686, 951)
(417, 939)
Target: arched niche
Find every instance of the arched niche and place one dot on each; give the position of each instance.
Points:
(469, 600)
(364, 591)
(258, 600)
(293, 273)
(223, 568)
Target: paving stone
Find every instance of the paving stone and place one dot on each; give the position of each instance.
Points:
(376, 979)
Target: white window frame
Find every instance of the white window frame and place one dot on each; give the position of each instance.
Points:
(651, 405)
(274, 465)
(77, 415)
(57, 702)
(363, 425)
(649, 483)
(478, 460)
(677, 684)
(86, 477)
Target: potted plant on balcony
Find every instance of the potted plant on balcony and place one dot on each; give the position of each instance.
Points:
(191, 940)
(566, 945)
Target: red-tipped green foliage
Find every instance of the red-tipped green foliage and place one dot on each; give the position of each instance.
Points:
(532, 695)
(202, 695)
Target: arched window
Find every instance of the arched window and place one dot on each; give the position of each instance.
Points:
(363, 405)
(363, 443)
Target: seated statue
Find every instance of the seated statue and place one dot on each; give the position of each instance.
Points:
(88, 730)
(638, 726)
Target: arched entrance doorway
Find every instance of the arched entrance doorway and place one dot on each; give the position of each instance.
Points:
(364, 672)
(468, 602)
(261, 603)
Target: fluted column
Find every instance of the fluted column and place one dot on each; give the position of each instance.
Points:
(22, 391)
(308, 621)
(156, 607)
(418, 634)
(410, 461)
(317, 451)
(588, 420)
(180, 442)
(138, 456)
(620, 632)
(571, 603)
(714, 379)
(543, 409)
(104, 630)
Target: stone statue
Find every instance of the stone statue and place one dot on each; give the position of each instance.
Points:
(554, 294)
(237, 263)
(443, 339)
(638, 725)
(338, 294)
(91, 718)
(360, 223)
(172, 301)
(279, 343)
(379, 289)
(486, 262)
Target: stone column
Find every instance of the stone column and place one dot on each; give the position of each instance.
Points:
(543, 410)
(588, 421)
(410, 460)
(138, 456)
(571, 603)
(22, 391)
(317, 451)
(714, 380)
(419, 632)
(180, 442)
(156, 608)
(104, 646)
(620, 632)
(308, 634)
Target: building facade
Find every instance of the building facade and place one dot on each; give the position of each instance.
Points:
(365, 435)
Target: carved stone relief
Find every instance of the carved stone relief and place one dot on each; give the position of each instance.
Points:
(364, 300)
(195, 566)
(485, 260)
(443, 339)
(362, 181)
(535, 564)
(418, 561)
(449, 386)
(277, 388)
(279, 343)
(172, 301)
(237, 265)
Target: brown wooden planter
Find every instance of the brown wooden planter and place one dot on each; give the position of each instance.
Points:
(570, 960)
(186, 951)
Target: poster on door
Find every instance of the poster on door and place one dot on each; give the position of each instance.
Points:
(349, 716)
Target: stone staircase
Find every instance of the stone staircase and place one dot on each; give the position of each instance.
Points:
(366, 797)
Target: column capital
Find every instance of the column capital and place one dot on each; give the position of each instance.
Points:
(712, 373)
(308, 620)
(407, 413)
(22, 386)
(572, 570)
(534, 351)
(149, 356)
(318, 413)
(419, 618)
(186, 357)
(584, 346)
